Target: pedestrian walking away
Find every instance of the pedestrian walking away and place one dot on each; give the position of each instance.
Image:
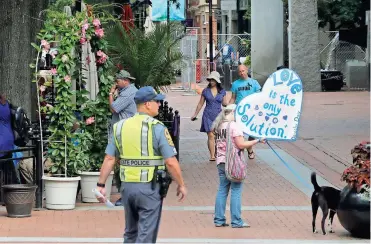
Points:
(147, 160)
(215, 97)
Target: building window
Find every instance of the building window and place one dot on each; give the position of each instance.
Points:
(244, 4)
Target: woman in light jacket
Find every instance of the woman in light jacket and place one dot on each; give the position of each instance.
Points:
(236, 136)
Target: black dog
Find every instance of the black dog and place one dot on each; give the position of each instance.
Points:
(327, 198)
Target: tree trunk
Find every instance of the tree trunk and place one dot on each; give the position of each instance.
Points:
(18, 30)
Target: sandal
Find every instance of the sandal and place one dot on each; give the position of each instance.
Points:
(212, 159)
(251, 154)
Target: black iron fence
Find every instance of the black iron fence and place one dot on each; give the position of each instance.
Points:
(8, 170)
(172, 121)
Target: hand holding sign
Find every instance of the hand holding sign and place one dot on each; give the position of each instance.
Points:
(275, 112)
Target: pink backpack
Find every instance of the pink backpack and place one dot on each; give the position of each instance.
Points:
(235, 161)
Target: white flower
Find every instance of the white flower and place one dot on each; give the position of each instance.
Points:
(65, 58)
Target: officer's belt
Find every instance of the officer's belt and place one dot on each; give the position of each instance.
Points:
(141, 162)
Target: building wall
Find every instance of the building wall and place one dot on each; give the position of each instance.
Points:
(202, 22)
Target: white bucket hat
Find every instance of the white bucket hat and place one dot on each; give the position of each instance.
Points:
(215, 76)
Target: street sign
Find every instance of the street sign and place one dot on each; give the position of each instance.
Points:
(217, 11)
(217, 14)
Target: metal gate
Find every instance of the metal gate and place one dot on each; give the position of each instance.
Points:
(336, 54)
(229, 51)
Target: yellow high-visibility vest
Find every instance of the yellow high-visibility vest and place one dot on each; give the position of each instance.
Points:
(134, 141)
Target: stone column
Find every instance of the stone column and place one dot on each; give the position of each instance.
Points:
(303, 43)
(266, 38)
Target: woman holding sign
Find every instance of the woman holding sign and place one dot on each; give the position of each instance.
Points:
(215, 96)
(228, 131)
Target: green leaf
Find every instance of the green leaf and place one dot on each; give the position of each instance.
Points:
(55, 152)
(36, 47)
(54, 169)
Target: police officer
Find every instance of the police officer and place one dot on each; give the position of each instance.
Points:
(144, 146)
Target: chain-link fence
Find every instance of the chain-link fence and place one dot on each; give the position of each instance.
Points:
(342, 56)
(231, 49)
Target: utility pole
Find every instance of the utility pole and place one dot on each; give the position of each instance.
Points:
(168, 12)
(211, 51)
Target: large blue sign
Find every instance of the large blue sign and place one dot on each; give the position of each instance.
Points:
(159, 10)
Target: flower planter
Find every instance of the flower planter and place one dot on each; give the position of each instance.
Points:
(19, 199)
(60, 192)
(354, 213)
(89, 182)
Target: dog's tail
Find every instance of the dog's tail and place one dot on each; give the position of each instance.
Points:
(313, 179)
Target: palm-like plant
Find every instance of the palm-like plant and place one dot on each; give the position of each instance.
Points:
(145, 55)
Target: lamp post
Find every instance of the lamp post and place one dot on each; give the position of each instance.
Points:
(211, 51)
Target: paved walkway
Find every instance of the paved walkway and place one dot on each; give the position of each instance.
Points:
(275, 202)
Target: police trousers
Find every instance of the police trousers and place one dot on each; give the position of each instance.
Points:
(143, 206)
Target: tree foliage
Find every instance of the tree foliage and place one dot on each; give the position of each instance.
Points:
(340, 13)
(337, 14)
(75, 126)
(145, 55)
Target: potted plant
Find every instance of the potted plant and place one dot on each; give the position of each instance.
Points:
(96, 111)
(354, 206)
(19, 199)
(62, 181)
(77, 122)
(95, 153)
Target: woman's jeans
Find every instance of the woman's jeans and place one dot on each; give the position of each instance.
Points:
(221, 199)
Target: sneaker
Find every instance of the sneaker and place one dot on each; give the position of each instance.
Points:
(221, 225)
(244, 225)
(118, 202)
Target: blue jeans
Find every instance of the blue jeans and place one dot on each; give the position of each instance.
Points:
(221, 199)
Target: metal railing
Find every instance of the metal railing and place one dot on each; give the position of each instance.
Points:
(230, 50)
(172, 122)
(8, 173)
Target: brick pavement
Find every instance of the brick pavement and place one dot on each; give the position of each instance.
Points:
(331, 125)
(324, 126)
(175, 224)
